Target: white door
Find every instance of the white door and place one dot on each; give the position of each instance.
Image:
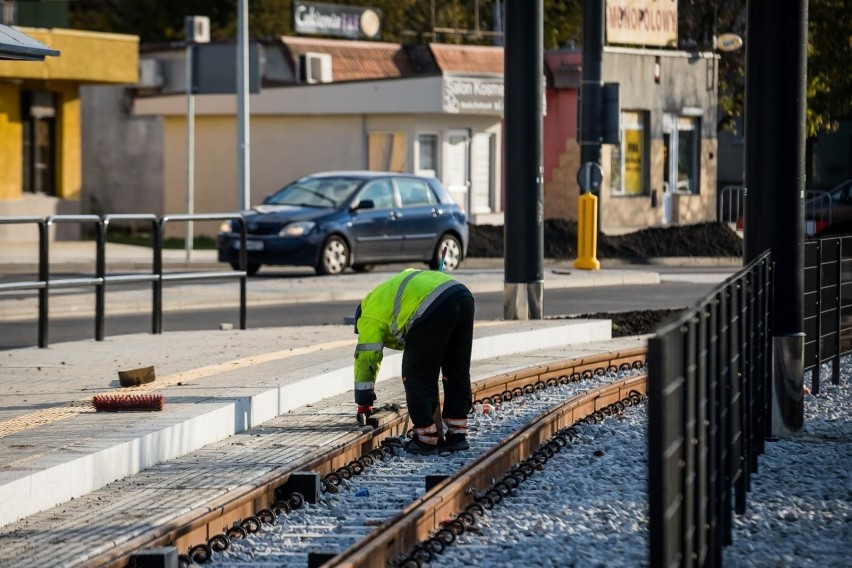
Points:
(481, 179)
(457, 166)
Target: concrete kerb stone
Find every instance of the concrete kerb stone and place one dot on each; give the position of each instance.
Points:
(40, 483)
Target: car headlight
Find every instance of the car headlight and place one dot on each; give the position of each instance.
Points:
(225, 227)
(298, 229)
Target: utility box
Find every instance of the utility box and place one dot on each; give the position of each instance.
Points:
(196, 29)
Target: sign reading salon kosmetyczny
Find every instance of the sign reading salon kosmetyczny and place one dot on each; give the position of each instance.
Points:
(354, 22)
(467, 95)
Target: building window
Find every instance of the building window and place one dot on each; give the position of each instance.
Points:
(688, 145)
(38, 114)
(427, 155)
(386, 151)
(629, 163)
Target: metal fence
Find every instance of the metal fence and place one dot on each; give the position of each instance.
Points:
(709, 404)
(708, 413)
(731, 206)
(99, 279)
(828, 305)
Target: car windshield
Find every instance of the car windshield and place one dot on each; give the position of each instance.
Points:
(327, 192)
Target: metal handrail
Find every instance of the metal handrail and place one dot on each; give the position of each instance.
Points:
(158, 264)
(100, 279)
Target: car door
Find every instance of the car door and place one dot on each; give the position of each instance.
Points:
(419, 217)
(374, 231)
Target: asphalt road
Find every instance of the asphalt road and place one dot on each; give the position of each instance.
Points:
(678, 290)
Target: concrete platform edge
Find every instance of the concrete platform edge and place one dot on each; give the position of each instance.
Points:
(50, 484)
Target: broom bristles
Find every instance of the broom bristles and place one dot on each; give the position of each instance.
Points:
(118, 402)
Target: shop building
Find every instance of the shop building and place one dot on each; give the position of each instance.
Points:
(40, 121)
(432, 109)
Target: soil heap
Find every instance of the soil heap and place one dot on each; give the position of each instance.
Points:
(560, 241)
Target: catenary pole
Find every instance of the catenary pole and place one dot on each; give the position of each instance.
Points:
(524, 218)
(243, 155)
(776, 74)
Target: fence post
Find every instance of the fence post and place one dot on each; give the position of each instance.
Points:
(43, 273)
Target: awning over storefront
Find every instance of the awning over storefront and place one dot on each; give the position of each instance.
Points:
(20, 46)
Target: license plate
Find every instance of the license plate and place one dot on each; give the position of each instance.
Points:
(250, 245)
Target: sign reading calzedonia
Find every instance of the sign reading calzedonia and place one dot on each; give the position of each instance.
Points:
(641, 22)
(353, 22)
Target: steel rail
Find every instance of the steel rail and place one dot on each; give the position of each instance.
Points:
(209, 521)
(451, 497)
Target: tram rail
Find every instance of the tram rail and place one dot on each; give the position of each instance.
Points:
(208, 529)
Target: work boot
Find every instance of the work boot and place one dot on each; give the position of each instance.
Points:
(454, 443)
(418, 448)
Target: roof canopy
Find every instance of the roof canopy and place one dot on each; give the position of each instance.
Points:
(20, 46)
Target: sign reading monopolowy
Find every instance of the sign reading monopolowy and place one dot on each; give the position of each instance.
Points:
(641, 22)
(316, 18)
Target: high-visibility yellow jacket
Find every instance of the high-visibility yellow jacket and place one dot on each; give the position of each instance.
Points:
(388, 312)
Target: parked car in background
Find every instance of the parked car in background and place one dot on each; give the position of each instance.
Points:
(829, 208)
(357, 219)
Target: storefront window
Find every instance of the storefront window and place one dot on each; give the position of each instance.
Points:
(386, 151)
(629, 159)
(427, 155)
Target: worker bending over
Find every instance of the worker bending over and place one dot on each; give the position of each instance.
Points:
(428, 315)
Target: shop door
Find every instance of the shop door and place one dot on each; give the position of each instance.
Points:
(457, 167)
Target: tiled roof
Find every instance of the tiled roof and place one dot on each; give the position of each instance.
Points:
(355, 60)
(467, 58)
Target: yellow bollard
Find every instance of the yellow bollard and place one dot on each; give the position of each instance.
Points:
(587, 233)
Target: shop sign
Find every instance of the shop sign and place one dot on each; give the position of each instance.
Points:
(641, 22)
(467, 95)
(353, 22)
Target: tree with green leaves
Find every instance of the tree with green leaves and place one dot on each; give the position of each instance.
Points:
(422, 21)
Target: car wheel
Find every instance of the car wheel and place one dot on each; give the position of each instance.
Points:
(363, 267)
(334, 256)
(251, 269)
(454, 254)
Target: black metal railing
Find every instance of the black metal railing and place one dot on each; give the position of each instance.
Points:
(828, 305)
(101, 278)
(708, 414)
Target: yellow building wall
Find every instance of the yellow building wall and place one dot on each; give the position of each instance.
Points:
(11, 158)
(69, 159)
(85, 58)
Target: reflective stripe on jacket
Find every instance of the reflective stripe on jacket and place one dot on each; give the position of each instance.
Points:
(388, 312)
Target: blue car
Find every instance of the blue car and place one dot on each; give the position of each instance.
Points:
(357, 219)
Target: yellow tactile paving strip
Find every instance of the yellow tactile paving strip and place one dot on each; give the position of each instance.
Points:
(49, 415)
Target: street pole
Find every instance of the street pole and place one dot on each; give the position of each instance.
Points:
(524, 219)
(190, 149)
(591, 85)
(243, 155)
(776, 95)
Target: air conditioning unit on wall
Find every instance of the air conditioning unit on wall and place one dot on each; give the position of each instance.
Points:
(315, 68)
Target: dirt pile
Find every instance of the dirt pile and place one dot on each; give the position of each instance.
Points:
(560, 241)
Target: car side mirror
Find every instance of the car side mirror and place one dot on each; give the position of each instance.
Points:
(364, 204)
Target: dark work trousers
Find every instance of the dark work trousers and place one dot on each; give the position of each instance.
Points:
(441, 343)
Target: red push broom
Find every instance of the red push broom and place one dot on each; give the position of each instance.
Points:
(119, 402)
